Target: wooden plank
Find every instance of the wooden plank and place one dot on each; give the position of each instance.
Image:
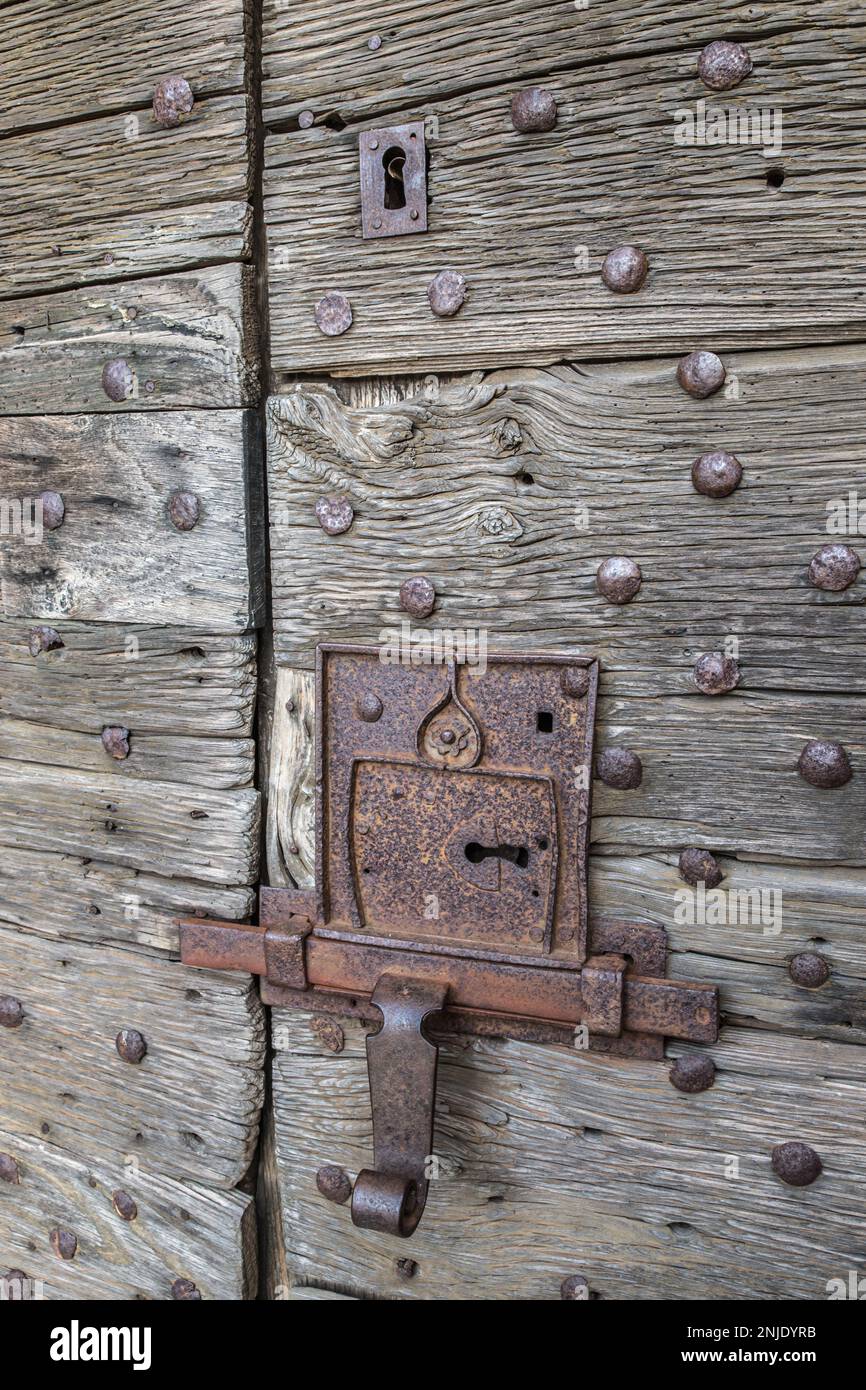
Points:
(291, 810)
(191, 1106)
(556, 1163)
(182, 1229)
(103, 58)
(190, 340)
(118, 557)
(528, 220)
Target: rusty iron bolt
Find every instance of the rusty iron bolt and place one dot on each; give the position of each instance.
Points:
(620, 768)
(701, 374)
(334, 1184)
(716, 674)
(185, 1291)
(417, 596)
(334, 314)
(574, 1289)
(328, 1030)
(374, 43)
(124, 1205)
(796, 1164)
(574, 681)
(11, 1012)
(809, 970)
(723, 65)
(834, 567)
(9, 1169)
(446, 293)
(625, 269)
(183, 510)
(64, 1243)
(44, 639)
(131, 1045)
(699, 866)
(369, 707)
(693, 1073)
(717, 474)
(118, 379)
(533, 110)
(172, 100)
(53, 510)
(306, 119)
(334, 514)
(824, 763)
(115, 741)
(618, 579)
(407, 1269)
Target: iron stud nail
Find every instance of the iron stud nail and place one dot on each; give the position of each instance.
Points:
(574, 681)
(115, 741)
(53, 510)
(796, 1164)
(11, 1012)
(369, 707)
(9, 1170)
(374, 42)
(333, 314)
(172, 100)
(124, 1205)
(716, 674)
(185, 1291)
(723, 65)
(574, 1289)
(64, 1243)
(334, 514)
(701, 373)
(406, 1268)
(334, 1184)
(834, 567)
(618, 579)
(824, 763)
(417, 596)
(699, 866)
(809, 970)
(118, 379)
(306, 119)
(533, 110)
(625, 269)
(446, 293)
(619, 768)
(44, 639)
(692, 1073)
(131, 1045)
(183, 510)
(716, 474)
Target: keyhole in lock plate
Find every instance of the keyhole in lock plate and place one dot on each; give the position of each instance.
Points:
(393, 161)
(512, 854)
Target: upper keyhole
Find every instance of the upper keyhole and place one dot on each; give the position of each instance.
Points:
(393, 161)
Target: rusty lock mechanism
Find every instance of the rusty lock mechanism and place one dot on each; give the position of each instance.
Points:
(393, 170)
(452, 816)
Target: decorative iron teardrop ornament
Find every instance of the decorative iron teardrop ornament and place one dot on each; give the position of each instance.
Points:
(449, 736)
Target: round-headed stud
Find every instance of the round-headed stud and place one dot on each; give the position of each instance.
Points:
(574, 681)
(131, 1045)
(334, 1184)
(64, 1243)
(796, 1164)
(53, 510)
(115, 741)
(124, 1205)
(699, 866)
(715, 673)
(624, 269)
(183, 510)
(11, 1012)
(574, 1289)
(334, 514)
(834, 567)
(374, 43)
(9, 1170)
(417, 596)
(717, 474)
(619, 768)
(701, 373)
(693, 1073)
(824, 763)
(333, 314)
(406, 1269)
(118, 379)
(809, 970)
(306, 119)
(172, 100)
(185, 1291)
(533, 110)
(618, 579)
(369, 707)
(44, 639)
(723, 65)
(446, 293)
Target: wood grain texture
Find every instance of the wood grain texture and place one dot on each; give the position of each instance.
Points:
(191, 1107)
(528, 220)
(183, 1230)
(118, 557)
(190, 340)
(291, 810)
(103, 58)
(556, 1164)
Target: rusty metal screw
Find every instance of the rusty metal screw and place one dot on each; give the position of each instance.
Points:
(407, 1269)
(11, 1012)
(723, 65)
(124, 1205)
(574, 681)
(369, 707)
(693, 1073)
(701, 373)
(699, 866)
(716, 474)
(334, 514)
(53, 510)
(824, 763)
(533, 110)
(334, 1184)
(44, 639)
(9, 1169)
(115, 741)
(328, 1031)
(574, 1289)
(620, 768)
(183, 510)
(809, 970)
(834, 567)
(625, 269)
(131, 1045)
(446, 293)
(185, 1291)
(64, 1243)
(118, 379)
(796, 1164)
(417, 596)
(306, 119)
(172, 100)
(333, 314)
(618, 579)
(715, 673)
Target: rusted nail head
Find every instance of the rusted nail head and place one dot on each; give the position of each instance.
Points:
(723, 65)
(618, 579)
(11, 1012)
(574, 1289)
(620, 768)
(328, 1030)
(334, 314)
(834, 567)
(334, 1184)
(53, 510)
(183, 510)
(715, 673)
(374, 42)
(699, 866)
(124, 1205)
(693, 1073)
(407, 1269)
(625, 269)
(824, 763)
(574, 681)
(809, 970)
(533, 110)
(44, 639)
(118, 379)
(172, 99)
(716, 474)
(701, 373)
(131, 1045)
(334, 514)
(306, 119)
(64, 1243)
(417, 596)
(185, 1291)
(369, 707)
(9, 1169)
(446, 293)
(796, 1164)
(115, 741)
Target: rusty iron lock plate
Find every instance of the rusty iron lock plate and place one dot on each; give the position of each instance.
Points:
(393, 168)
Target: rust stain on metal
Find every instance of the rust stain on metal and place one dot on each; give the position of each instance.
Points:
(716, 674)
(115, 741)
(699, 866)
(834, 567)
(11, 1012)
(701, 373)
(825, 763)
(329, 1033)
(723, 65)
(184, 510)
(44, 639)
(533, 110)
(172, 100)
(625, 269)
(131, 1045)
(796, 1164)
(406, 1269)
(809, 970)
(618, 579)
(334, 514)
(716, 474)
(692, 1073)
(370, 707)
(334, 1184)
